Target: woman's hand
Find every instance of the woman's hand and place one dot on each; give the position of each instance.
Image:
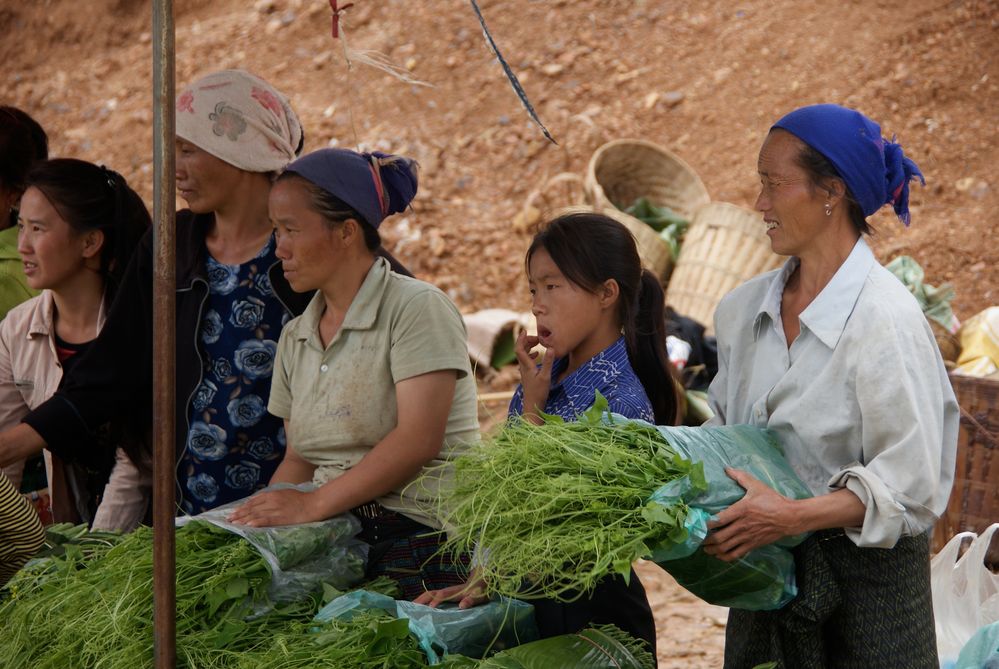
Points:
(468, 594)
(760, 518)
(535, 380)
(277, 507)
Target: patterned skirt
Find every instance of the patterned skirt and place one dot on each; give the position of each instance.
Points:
(857, 608)
(408, 552)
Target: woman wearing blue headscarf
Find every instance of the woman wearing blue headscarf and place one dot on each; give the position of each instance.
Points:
(373, 379)
(834, 354)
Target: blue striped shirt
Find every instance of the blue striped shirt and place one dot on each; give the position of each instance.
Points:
(609, 372)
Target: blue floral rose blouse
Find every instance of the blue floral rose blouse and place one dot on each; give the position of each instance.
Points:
(233, 444)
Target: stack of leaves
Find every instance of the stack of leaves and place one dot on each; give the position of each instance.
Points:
(558, 507)
(593, 648)
(670, 225)
(221, 592)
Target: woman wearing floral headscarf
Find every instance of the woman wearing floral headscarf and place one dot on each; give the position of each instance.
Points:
(834, 354)
(234, 131)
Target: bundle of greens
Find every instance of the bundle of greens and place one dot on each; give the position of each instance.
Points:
(670, 225)
(593, 648)
(221, 587)
(560, 506)
(556, 508)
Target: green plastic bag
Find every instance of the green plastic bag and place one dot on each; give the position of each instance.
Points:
(763, 579)
(448, 630)
(605, 647)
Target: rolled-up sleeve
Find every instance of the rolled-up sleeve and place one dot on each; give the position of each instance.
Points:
(909, 420)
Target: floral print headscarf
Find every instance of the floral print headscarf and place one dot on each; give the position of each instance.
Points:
(241, 119)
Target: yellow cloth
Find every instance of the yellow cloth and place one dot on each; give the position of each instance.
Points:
(980, 345)
(21, 533)
(340, 401)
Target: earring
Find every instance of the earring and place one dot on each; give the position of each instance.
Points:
(828, 209)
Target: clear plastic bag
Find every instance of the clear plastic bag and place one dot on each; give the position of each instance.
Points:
(763, 579)
(448, 630)
(301, 557)
(965, 592)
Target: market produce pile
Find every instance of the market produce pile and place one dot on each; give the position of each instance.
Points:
(87, 601)
(555, 508)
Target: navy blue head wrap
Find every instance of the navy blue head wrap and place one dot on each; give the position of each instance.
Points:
(875, 170)
(375, 185)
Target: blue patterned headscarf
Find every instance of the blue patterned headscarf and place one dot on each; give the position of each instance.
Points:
(375, 184)
(875, 170)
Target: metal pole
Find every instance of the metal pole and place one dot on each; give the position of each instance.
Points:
(164, 353)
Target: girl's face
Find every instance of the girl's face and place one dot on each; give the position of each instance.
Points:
(568, 316)
(306, 244)
(52, 252)
(793, 210)
(205, 182)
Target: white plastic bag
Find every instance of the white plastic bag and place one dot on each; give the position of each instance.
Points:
(965, 593)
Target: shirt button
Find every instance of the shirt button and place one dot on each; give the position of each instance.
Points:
(324, 368)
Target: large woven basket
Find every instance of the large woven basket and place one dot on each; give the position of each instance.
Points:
(974, 500)
(562, 190)
(724, 246)
(624, 170)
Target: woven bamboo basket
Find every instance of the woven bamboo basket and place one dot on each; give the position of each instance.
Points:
(624, 170)
(974, 500)
(947, 342)
(562, 190)
(724, 246)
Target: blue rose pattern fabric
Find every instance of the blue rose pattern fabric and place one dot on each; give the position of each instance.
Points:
(233, 444)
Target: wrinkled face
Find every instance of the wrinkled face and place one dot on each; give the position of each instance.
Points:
(205, 182)
(793, 210)
(52, 252)
(307, 245)
(567, 315)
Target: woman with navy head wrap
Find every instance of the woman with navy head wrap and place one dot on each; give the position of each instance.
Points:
(373, 379)
(834, 354)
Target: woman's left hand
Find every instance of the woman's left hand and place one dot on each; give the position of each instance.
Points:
(760, 518)
(276, 507)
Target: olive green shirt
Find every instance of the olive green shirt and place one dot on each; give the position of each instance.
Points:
(340, 400)
(13, 284)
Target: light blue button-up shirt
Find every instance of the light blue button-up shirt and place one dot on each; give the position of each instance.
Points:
(861, 398)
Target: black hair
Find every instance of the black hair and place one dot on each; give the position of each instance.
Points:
(591, 248)
(820, 170)
(91, 197)
(23, 142)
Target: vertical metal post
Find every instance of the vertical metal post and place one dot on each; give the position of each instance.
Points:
(164, 332)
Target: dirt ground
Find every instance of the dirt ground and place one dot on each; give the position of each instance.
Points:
(705, 79)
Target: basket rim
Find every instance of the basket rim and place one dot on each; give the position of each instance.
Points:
(591, 172)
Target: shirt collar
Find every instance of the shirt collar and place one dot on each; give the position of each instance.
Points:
(576, 385)
(826, 316)
(363, 309)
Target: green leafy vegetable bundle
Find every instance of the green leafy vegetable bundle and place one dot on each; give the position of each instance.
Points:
(71, 611)
(555, 508)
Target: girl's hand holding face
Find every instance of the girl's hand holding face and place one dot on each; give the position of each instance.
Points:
(535, 380)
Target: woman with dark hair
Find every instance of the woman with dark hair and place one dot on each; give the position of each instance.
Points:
(79, 225)
(601, 321)
(234, 131)
(22, 143)
(834, 354)
(373, 380)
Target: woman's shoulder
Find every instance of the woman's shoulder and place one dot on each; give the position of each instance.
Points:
(884, 298)
(743, 302)
(21, 317)
(411, 293)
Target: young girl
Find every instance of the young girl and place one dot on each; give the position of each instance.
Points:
(78, 226)
(600, 318)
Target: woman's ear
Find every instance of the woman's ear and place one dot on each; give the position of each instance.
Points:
(349, 230)
(93, 242)
(835, 190)
(608, 293)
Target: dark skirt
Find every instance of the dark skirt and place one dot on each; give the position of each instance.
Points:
(856, 608)
(408, 552)
(612, 602)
